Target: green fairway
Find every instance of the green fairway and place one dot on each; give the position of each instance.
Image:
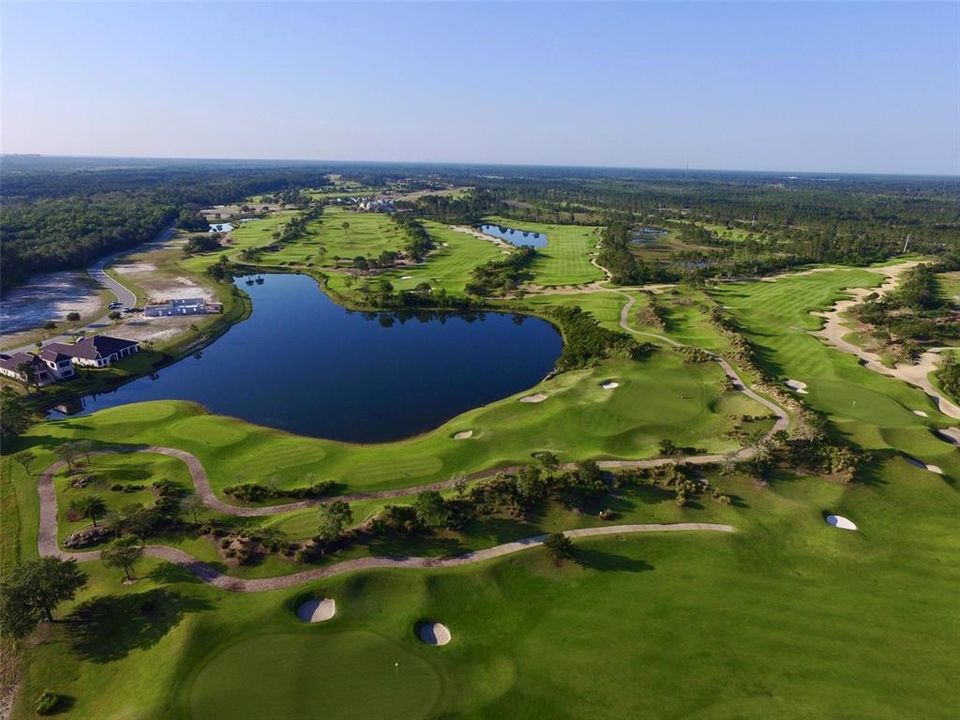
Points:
(786, 618)
(448, 267)
(350, 675)
(566, 258)
(659, 397)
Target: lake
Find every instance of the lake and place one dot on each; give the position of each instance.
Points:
(515, 236)
(303, 363)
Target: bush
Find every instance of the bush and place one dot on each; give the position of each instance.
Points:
(49, 325)
(46, 703)
(115, 315)
(73, 316)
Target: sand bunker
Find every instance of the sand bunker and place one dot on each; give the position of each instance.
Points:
(434, 634)
(407, 277)
(463, 435)
(950, 434)
(535, 398)
(922, 465)
(839, 521)
(610, 385)
(798, 387)
(921, 413)
(318, 610)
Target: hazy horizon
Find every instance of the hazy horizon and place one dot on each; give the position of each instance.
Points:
(855, 88)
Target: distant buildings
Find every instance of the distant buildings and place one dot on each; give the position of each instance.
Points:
(185, 306)
(57, 361)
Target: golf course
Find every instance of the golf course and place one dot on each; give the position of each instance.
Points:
(702, 510)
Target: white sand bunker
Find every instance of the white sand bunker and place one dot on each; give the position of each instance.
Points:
(950, 434)
(407, 277)
(798, 387)
(921, 413)
(317, 610)
(463, 435)
(535, 398)
(434, 634)
(839, 521)
(610, 385)
(923, 466)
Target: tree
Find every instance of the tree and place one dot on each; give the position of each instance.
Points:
(559, 545)
(123, 554)
(91, 506)
(73, 316)
(84, 447)
(68, 453)
(191, 504)
(345, 226)
(25, 460)
(334, 518)
(16, 414)
(26, 375)
(431, 509)
(34, 589)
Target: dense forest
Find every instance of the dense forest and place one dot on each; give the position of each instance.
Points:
(62, 213)
(55, 219)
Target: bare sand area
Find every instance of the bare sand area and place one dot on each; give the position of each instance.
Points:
(834, 332)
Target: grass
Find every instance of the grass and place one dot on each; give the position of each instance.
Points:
(448, 267)
(578, 421)
(565, 260)
(786, 618)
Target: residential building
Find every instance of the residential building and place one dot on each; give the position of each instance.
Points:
(96, 351)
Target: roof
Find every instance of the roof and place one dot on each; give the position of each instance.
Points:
(13, 362)
(51, 355)
(93, 348)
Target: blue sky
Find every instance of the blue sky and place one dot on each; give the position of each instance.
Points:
(856, 87)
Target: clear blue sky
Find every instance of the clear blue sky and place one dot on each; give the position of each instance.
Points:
(857, 87)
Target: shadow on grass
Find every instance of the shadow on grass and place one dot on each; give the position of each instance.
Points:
(169, 573)
(109, 627)
(600, 560)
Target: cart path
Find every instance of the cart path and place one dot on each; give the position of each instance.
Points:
(783, 417)
(212, 576)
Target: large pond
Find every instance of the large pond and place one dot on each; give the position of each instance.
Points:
(515, 236)
(303, 363)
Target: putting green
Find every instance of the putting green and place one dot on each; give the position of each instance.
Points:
(345, 675)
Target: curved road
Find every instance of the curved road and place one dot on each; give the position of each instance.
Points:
(123, 294)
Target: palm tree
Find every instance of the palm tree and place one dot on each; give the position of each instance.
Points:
(91, 506)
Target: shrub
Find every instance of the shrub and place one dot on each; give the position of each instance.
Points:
(73, 316)
(46, 703)
(49, 325)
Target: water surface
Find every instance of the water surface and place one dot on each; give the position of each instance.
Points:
(515, 236)
(303, 363)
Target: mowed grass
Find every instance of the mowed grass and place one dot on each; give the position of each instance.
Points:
(659, 397)
(449, 267)
(566, 258)
(786, 618)
(875, 411)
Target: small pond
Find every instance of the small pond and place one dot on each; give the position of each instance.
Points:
(303, 363)
(515, 236)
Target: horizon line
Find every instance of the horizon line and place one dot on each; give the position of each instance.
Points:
(455, 163)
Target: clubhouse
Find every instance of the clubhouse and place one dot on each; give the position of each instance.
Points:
(57, 361)
(97, 351)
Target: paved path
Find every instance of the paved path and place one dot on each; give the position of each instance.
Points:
(47, 546)
(783, 418)
(123, 294)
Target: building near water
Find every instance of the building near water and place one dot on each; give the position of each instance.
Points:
(184, 306)
(96, 351)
